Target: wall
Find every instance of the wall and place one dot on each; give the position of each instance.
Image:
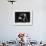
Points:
(9, 31)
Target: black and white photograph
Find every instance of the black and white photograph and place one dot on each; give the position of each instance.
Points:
(23, 18)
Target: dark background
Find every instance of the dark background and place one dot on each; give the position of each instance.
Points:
(17, 14)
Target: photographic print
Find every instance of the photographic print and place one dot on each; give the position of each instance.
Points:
(23, 18)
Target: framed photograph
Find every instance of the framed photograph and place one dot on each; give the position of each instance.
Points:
(23, 18)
